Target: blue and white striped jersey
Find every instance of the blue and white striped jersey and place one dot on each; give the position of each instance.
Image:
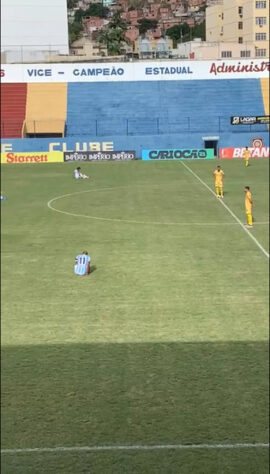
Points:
(80, 267)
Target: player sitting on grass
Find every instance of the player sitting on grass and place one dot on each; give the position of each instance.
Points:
(79, 175)
(82, 264)
(2, 197)
(219, 176)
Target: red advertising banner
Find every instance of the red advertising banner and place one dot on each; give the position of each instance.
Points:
(258, 152)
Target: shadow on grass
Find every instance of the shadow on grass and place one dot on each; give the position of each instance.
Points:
(93, 268)
(148, 393)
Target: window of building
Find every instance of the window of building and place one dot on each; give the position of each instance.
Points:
(240, 10)
(226, 54)
(240, 39)
(222, 16)
(261, 4)
(245, 54)
(260, 53)
(240, 25)
(260, 37)
(260, 20)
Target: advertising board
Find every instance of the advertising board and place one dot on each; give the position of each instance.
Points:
(35, 157)
(230, 153)
(250, 120)
(178, 154)
(100, 156)
(174, 70)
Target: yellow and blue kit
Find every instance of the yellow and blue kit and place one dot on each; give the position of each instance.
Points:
(248, 207)
(219, 175)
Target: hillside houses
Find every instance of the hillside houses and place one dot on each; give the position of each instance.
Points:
(161, 15)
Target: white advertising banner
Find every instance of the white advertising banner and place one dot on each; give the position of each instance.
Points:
(135, 71)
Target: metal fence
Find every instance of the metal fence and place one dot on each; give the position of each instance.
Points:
(119, 126)
(184, 52)
(33, 53)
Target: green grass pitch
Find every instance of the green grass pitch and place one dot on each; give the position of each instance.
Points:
(166, 342)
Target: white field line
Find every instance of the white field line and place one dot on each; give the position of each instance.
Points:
(135, 447)
(229, 210)
(207, 224)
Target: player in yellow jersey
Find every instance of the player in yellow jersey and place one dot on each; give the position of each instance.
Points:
(219, 176)
(248, 207)
(247, 155)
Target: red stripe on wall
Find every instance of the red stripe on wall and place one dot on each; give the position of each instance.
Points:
(13, 107)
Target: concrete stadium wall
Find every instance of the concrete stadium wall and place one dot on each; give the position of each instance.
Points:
(176, 105)
(137, 143)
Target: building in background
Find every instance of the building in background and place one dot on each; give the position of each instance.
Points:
(107, 3)
(86, 49)
(31, 28)
(153, 46)
(239, 21)
(204, 50)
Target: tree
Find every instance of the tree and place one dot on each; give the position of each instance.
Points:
(146, 24)
(113, 36)
(179, 32)
(71, 4)
(97, 9)
(74, 31)
(79, 14)
(75, 28)
(199, 31)
(113, 40)
(117, 22)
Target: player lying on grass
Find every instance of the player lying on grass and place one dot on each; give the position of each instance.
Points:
(79, 175)
(219, 176)
(82, 264)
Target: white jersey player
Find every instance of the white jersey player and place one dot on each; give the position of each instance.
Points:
(79, 175)
(82, 264)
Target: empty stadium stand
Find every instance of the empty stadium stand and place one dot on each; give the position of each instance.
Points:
(46, 109)
(145, 108)
(13, 104)
(135, 115)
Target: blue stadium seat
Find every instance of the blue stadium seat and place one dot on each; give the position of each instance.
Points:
(158, 107)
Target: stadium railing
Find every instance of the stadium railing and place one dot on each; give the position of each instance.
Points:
(126, 126)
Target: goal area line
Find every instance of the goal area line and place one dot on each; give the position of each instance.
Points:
(136, 447)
